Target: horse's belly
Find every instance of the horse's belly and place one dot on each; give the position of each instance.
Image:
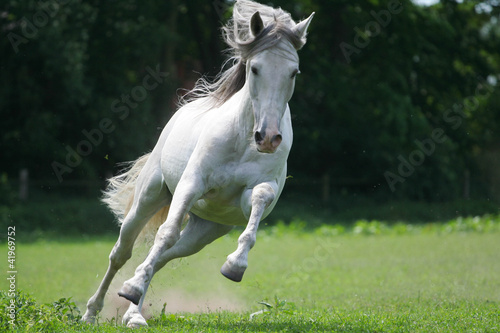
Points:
(219, 212)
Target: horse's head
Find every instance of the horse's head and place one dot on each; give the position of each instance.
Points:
(270, 75)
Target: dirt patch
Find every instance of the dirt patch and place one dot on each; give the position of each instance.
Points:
(177, 300)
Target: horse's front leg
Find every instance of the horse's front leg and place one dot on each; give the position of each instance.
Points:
(186, 194)
(256, 201)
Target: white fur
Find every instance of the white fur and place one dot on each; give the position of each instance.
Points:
(207, 164)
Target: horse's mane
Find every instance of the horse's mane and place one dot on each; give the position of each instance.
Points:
(278, 24)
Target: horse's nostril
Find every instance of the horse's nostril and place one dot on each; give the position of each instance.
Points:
(258, 137)
(276, 140)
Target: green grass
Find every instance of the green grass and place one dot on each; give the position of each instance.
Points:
(369, 278)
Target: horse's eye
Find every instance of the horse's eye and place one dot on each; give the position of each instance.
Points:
(294, 73)
(255, 70)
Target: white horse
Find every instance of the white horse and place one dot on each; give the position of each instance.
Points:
(221, 159)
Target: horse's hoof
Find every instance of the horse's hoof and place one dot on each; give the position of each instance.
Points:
(88, 319)
(231, 274)
(133, 324)
(130, 293)
(133, 319)
(136, 321)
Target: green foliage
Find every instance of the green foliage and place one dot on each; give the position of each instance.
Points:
(7, 196)
(485, 223)
(23, 312)
(398, 89)
(480, 224)
(369, 228)
(54, 216)
(280, 306)
(355, 115)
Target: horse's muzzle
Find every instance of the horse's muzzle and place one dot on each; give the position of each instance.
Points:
(269, 142)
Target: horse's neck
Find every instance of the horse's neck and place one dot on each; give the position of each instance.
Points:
(244, 110)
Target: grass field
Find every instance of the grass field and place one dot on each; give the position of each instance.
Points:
(371, 278)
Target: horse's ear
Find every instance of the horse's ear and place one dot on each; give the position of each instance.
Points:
(301, 27)
(256, 24)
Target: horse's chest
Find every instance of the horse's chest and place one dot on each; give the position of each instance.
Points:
(227, 178)
(225, 187)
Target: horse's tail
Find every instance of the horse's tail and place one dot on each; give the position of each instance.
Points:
(119, 195)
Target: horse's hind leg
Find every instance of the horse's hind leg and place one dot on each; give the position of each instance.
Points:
(151, 195)
(195, 236)
(186, 194)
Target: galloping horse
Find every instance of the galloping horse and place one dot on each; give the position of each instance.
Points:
(221, 159)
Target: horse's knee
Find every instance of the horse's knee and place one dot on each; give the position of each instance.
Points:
(167, 236)
(119, 255)
(263, 194)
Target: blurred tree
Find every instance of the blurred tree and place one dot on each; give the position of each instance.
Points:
(44, 90)
(69, 66)
(379, 78)
(87, 84)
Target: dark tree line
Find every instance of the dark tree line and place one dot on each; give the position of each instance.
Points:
(393, 98)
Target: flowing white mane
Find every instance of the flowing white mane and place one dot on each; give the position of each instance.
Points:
(278, 24)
